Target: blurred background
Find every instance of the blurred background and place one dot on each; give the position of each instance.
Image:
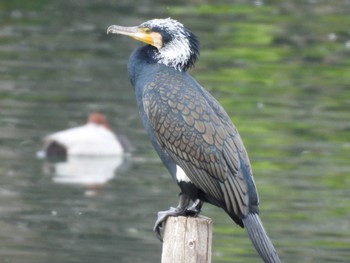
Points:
(281, 69)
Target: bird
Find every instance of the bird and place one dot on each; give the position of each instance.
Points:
(191, 132)
(95, 138)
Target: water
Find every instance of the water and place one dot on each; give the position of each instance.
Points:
(281, 70)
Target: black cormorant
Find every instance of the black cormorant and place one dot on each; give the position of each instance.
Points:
(190, 130)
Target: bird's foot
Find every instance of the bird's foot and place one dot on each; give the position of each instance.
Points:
(194, 209)
(163, 215)
(181, 210)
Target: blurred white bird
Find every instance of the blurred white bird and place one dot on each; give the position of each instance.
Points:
(95, 138)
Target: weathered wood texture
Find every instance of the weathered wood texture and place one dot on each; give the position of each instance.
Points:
(187, 240)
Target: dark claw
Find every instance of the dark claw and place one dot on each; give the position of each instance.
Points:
(156, 230)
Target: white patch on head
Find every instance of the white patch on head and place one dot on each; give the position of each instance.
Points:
(177, 52)
(181, 175)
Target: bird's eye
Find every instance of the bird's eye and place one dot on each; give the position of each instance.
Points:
(147, 30)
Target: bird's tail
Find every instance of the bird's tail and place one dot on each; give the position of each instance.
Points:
(259, 238)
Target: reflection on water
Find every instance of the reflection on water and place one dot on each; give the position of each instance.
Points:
(83, 170)
(280, 69)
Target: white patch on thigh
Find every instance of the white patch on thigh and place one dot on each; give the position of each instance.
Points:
(181, 175)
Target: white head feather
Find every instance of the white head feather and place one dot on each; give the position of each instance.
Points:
(177, 52)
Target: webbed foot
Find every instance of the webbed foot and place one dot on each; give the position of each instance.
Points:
(163, 215)
(182, 209)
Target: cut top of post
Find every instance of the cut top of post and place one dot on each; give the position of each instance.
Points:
(187, 240)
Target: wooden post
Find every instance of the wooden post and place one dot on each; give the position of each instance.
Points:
(187, 240)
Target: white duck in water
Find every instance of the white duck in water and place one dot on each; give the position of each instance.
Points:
(95, 138)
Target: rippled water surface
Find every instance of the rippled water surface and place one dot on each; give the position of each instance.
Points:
(281, 70)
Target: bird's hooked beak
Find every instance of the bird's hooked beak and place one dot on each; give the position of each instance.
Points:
(139, 33)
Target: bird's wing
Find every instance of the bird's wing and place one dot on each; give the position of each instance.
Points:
(196, 132)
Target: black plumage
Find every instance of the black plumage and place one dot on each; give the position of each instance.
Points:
(191, 132)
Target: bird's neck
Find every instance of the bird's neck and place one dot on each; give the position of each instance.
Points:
(149, 55)
(143, 65)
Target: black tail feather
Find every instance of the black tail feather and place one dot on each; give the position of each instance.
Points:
(260, 239)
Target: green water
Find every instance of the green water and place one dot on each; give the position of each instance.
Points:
(279, 68)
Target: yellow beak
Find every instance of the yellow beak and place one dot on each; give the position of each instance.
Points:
(140, 34)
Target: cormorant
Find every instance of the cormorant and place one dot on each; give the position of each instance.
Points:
(191, 131)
